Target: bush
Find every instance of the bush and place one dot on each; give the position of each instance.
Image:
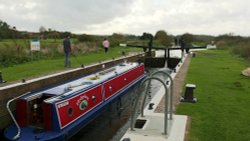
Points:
(85, 47)
(85, 38)
(242, 49)
(237, 44)
(11, 54)
(9, 60)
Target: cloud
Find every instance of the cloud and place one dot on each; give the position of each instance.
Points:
(212, 17)
(61, 15)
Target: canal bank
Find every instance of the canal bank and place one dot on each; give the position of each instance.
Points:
(153, 126)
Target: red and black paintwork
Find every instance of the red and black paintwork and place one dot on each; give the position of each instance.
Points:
(58, 117)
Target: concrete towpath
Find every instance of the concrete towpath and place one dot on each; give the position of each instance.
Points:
(154, 125)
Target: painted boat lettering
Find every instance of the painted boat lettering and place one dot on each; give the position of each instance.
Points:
(82, 98)
(63, 104)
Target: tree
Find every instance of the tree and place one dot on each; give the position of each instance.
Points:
(42, 29)
(5, 31)
(146, 36)
(161, 34)
(187, 38)
(163, 38)
(65, 34)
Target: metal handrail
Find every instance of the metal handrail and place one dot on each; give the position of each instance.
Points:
(166, 104)
(171, 90)
(145, 96)
(12, 116)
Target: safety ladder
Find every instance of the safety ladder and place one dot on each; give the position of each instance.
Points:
(149, 79)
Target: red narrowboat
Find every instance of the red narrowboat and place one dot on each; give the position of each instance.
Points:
(60, 112)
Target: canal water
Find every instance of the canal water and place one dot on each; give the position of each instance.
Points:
(112, 124)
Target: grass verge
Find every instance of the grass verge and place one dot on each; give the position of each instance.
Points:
(43, 67)
(221, 113)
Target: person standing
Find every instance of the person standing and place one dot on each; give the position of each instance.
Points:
(183, 46)
(105, 44)
(150, 45)
(67, 51)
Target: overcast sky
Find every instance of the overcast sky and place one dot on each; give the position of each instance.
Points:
(211, 17)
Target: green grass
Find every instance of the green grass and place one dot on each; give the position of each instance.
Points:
(43, 67)
(222, 111)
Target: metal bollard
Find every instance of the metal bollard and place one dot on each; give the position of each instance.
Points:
(1, 78)
(150, 107)
(189, 94)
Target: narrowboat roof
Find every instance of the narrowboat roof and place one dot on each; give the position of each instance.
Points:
(71, 88)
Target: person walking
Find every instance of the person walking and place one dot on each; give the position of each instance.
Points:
(105, 44)
(67, 51)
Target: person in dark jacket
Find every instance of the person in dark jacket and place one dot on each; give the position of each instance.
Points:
(67, 51)
(150, 45)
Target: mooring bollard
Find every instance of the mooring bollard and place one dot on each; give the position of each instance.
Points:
(150, 107)
(193, 54)
(1, 78)
(189, 94)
